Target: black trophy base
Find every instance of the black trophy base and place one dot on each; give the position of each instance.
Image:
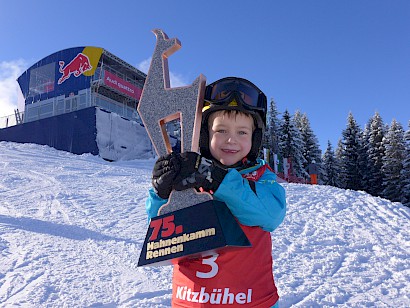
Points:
(191, 232)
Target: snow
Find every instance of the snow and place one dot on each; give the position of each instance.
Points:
(72, 227)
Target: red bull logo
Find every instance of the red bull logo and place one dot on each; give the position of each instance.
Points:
(77, 66)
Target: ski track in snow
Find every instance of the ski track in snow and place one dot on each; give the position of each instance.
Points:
(342, 247)
(72, 227)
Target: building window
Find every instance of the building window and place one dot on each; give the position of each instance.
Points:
(83, 101)
(60, 106)
(42, 79)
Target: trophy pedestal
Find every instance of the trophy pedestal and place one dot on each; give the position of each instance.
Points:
(191, 232)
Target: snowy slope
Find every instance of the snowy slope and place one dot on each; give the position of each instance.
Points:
(71, 229)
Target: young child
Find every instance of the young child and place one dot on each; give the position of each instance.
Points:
(228, 167)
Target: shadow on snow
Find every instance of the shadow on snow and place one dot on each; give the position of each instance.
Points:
(55, 229)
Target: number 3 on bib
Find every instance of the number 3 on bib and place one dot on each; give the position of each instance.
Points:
(211, 261)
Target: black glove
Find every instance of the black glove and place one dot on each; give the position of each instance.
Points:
(172, 168)
(207, 176)
(185, 170)
(163, 176)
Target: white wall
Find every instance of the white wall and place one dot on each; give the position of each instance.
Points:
(121, 139)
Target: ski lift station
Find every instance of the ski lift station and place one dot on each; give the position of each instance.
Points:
(81, 100)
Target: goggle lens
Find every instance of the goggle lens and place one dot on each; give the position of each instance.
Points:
(248, 93)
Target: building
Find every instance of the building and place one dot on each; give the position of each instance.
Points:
(82, 100)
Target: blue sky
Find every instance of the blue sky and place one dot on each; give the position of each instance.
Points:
(325, 58)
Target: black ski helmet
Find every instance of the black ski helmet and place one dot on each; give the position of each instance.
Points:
(234, 93)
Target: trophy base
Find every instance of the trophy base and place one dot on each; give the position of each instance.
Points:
(191, 232)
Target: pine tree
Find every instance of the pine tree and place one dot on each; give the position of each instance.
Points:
(350, 174)
(311, 150)
(330, 168)
(405, 173)
(290, 144)
(297, 120)
(364, 159)
(271, 136)
(339, 157)
(375, 153)
(393, 162)
(286, 135)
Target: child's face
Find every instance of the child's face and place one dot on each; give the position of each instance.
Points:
(230, 136)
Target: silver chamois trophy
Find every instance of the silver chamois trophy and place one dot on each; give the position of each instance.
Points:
(191, 223)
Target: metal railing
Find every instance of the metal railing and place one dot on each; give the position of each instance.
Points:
(11, 120)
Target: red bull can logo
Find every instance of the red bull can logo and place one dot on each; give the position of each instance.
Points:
(77, 66)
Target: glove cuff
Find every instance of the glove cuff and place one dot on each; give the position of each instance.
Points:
(214, 176)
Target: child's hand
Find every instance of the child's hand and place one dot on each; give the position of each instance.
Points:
(163, 176)
(185, 170)
(207, 176)
(171, 169)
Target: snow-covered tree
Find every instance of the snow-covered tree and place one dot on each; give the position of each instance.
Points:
(290, 144)
(405, 173)
(393, 159)
(330, 168)
(271, 136)
(286, 135)
(338, 155)
(311, 151)
(297, 120)
(363, 157)
(350, 174)
(375, 154)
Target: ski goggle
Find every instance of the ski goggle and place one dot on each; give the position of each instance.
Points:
(250, 95)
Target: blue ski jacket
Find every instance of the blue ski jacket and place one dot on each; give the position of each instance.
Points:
(266, 208)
